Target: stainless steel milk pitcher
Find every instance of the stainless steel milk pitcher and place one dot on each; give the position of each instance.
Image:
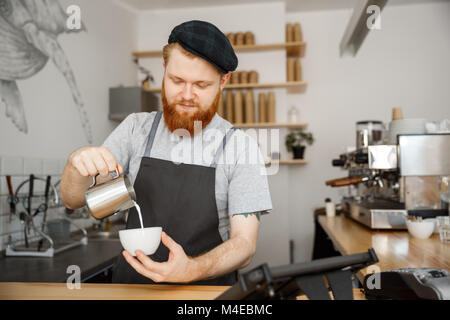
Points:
(110, 197)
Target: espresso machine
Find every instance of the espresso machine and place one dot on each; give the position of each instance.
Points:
(386, 182)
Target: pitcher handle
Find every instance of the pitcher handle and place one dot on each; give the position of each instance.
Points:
(115, 174)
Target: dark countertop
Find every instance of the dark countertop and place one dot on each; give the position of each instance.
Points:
(97, 255)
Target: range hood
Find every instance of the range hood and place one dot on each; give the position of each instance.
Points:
(357, 28)
(124, 101)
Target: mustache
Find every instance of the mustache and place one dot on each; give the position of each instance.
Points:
(186, 102)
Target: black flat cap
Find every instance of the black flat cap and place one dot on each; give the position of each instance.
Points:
(206, 41)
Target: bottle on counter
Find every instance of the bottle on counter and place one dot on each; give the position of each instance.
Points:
(330, 208)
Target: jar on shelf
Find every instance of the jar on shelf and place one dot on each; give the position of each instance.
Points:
(293, 115)
(239, 38)
(231, 37)
(271, 107)
(243, 76)
(297, 32)
(290, 69)
(289, 32)
(249, 38)
(253, 76)
(297, 70)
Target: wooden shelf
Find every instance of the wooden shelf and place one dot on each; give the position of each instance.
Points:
(293, 161)
(298, 125)
(292, 86)
(288, 161)
(293, 48)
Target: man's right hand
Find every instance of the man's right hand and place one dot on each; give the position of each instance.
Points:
(89, 161)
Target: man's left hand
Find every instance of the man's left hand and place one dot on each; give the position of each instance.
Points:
(178, 268)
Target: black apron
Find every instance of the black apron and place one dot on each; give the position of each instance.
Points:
(181, 199)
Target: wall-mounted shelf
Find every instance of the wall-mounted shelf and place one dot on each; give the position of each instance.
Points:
(296, 48)
(293, 48)
(288, 161)
(298, 125)
(291, 86)
(270, 85)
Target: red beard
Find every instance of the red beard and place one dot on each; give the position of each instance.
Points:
(183, 120)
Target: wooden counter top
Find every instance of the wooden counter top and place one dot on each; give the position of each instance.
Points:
(395, 249)
(93, 291)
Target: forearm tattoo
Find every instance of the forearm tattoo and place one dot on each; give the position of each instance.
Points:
(257, 214)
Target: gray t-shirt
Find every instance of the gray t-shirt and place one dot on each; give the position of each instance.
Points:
(241, 185)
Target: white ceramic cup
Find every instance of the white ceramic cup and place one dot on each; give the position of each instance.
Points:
(147, 240)
(421, 229)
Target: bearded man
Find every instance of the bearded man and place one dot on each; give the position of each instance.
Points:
(209, 207)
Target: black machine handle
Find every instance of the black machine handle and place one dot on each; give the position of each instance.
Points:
(47, 187)
(338, 163)
(318, 266)
(44, 206)
(258, 278)
(325, 265)
(361, 158)
(30, 192)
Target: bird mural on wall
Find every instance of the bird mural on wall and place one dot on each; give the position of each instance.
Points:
(28, 39)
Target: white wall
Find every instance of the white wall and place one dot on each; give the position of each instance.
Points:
(405, 64)
(100, 58)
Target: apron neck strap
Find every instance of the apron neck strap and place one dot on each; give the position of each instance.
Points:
(221, 149)
(152, 134)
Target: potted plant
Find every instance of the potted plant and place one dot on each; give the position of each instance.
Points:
(296, 140)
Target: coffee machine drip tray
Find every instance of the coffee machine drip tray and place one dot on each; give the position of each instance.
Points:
(378, 214)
